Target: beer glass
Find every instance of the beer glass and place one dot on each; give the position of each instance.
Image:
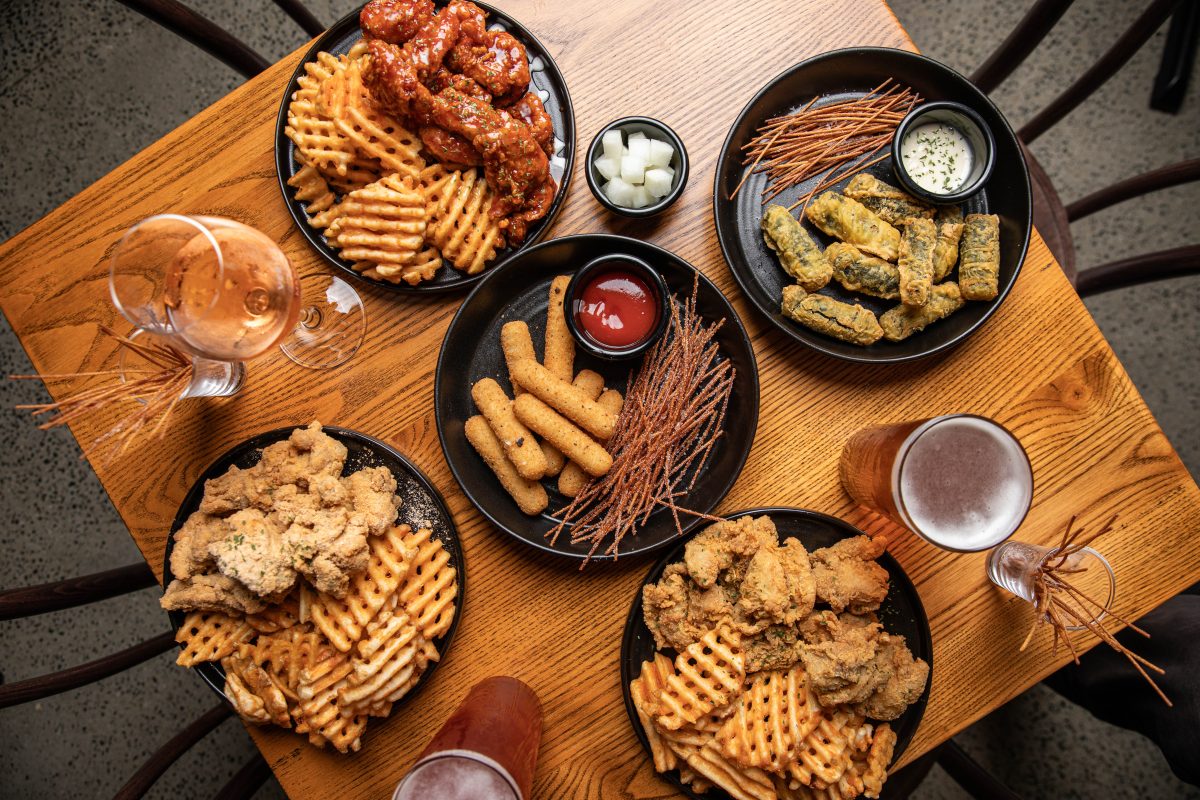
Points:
(959, 481)
(487, 750)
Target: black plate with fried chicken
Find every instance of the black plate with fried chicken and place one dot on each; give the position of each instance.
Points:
(788, 590)
(477, 90)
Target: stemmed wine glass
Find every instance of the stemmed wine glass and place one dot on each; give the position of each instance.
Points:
(224, 293)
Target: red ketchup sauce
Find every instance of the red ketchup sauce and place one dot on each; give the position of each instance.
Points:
(617, 309)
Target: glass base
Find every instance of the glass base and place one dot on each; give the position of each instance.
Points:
(332, 326)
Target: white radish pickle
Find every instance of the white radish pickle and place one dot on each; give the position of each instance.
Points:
(614, 145)
(658, 182)
(633, 169)
(619, 192)
(636, 169)
(661, 153)
(608, 167)
(639, 146)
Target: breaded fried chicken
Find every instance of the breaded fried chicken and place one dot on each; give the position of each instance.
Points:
(211, 593)
(847, 576)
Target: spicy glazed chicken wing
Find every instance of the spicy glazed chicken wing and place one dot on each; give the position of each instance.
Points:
(394, 21)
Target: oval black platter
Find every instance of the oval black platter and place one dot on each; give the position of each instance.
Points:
(845, 74)
(518, 290)
(545, 78)
(901, 613)
(422, 503)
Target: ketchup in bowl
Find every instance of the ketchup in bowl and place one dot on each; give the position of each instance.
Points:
(616, 306)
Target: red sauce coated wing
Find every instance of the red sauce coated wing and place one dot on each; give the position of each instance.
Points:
(394, 21)
(448, 148)
(496, 61)
(529, 109)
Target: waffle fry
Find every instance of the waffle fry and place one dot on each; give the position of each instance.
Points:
(824, 755)
(692, 778)
(382, 223)
(758, 733)
(286, 653)
(422, 268)
(313, 190)
(318, 714)
(431, 586)
(391, 657)
(315, 135)
(277, 617)
(707, 675)
(645, 691)
(342, 620)
(741, 783)
(458, 205)
(375, 135)
(874, 771)
(209, 636)
(254, 693)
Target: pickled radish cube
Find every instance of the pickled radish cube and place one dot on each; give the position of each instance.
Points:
(633, 169)
(614, 145)
(639, 147)
(619, 192)
(660, 154)
(608, 167)
(642, 198)
(658, 182)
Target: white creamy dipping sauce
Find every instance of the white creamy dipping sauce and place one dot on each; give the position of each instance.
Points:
(937, 157)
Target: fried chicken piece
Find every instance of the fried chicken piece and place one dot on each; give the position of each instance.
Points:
(902, 680)
(393, 82)
(394, 21)
(774, 647)
(236, 489)
(529, 109)
(666, 608)
(844, 669)
(493, 59)
(252, 552)
(190, 555)
(802, 587)
(327, 546)
(372, 493)
(764, 589)
(211, 593)
(514, 165)
(715, 549)
(448, 148)
(306, 455)
(847, 576)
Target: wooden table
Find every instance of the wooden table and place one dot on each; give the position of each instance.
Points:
(1039, 366)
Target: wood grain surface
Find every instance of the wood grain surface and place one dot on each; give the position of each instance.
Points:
(1039, 366)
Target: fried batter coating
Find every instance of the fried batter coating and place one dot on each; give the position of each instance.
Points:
(903, 321)
(251, 553)
(847, 576)
(850, 323)
(901, 680)
(889, 203)
(858, 272)
(842, 669)
(716, 548)
(190, 555)
(798, 254)
(211, 593)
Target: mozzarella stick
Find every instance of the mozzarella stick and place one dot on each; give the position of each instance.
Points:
(574, 443)
(593, 384)
(560, 347)
(570, 401)
(531, 496)
(519, 445)
(573, 478)
(516, 343)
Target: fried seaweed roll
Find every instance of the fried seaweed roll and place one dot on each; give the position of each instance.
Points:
(903, 321)
(850, 323)
(892, 205)
(853, 223)
(945, 252)
(979, 257)
(916, 261)
(798, 253)
(858, 272)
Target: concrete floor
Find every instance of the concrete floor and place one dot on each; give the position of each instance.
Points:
(85, 85)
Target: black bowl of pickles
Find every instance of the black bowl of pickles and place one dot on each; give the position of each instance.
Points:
(845, 260)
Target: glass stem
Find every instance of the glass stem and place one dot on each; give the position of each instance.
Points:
(213, 378)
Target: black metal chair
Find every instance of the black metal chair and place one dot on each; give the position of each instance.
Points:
(1050, 215)
(73, 592)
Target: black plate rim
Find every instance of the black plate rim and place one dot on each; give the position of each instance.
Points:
(337, 31)
(601, 239)
(769, 314)
(209, 671)
(634, 619)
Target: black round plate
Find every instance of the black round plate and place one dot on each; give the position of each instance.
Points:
(844, 74)
(422, 503)
(518, 291)
(545, 78)
(901, 613)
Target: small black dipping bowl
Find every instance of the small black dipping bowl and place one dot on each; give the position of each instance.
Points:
(655, 130)
(594, 269)
(966, 121)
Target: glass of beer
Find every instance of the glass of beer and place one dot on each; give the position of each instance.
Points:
(221, 290)
(959, 481)
(487, 750)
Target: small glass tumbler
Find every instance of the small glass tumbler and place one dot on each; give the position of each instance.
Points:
(1014, 566)
(959, 481)
(487, 750)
